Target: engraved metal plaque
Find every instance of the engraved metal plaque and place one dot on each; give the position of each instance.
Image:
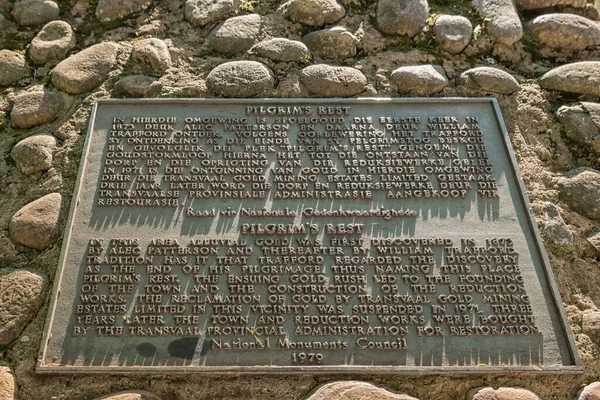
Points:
(304, 235)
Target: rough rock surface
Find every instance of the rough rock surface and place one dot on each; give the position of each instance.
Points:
(537, 4)
(281, 49)
(34, 154)
(23, 293)
(13, 67)
(590, 325)
(565, 31)
(350, 390)
(202, 12)
(137, 86)
(8, 387)
(240, 79)
(36, 108)
(35, 12)
(36, 225)
(313, 12)
(489, 79)
(594, 240)
(453, 33)
(590, 392)
(420, 80)
(579, 189)
(555, 228)
(580, 77)
(85, 70)
(130, 395)
(235, 35)
(581, 123)
(503, 393)
(504, 23)
(150, 57)
(328, 81)
(334, 43)
(110, 10)
(52, 43)
(402, 17)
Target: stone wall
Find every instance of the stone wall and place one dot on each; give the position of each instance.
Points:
(540, 58)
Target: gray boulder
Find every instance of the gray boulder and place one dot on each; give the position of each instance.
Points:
(355, 390)
(402, 17)
(35, 12)
(502, 393)
(420, 80)
(235, 35)
(504, 23)
(537, 4)
(23, 293)
(490, 80)
(453, 33)
(334, 43)
(36, 225)
(52, 43)
(150, 57)
(313, 12)
(137, 86)
(579, 189)
(580, 77)
(130, 395)
(565, 31)
(555, 229)
(13, 67)
(36, 108)
(203, 12)
(328, 81)
(85, 70)
(34, 154)
(281, 49)
(581, 123)
(8, 386)
(240, 79)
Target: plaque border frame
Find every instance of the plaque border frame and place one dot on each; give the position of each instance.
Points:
(575, 368)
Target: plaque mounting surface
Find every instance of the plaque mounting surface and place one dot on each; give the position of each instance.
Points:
(302, 235)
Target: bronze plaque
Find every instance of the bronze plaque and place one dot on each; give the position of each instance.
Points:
(302, 235)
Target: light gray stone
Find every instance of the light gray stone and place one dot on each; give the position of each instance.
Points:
(240, 79)
(329, 81)
(565, 31)
(130, 395)
(580, 77)
(555, 229)
(36, 108)
(489, 79)
(581, 123)
(137, 86)
(202, 12)
(503, 393)
(420, 80)
(235, 35)
(591, 391)
(347, 390)
(453, 33)
(36, 225)
(85, 70)
(281, 49)
(150, 57)
(23, 294)
(402, 17)
(52, 43)
(8, 386)
(13, 67)
(579, 189)
(110, 10)
(537, 4)
(594, 240)
(35, 12)
(34, 154)
(504, 23)
(313, 12)
(334, 43)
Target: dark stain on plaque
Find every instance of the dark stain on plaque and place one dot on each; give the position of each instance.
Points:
(183, 348)
(146, 349)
